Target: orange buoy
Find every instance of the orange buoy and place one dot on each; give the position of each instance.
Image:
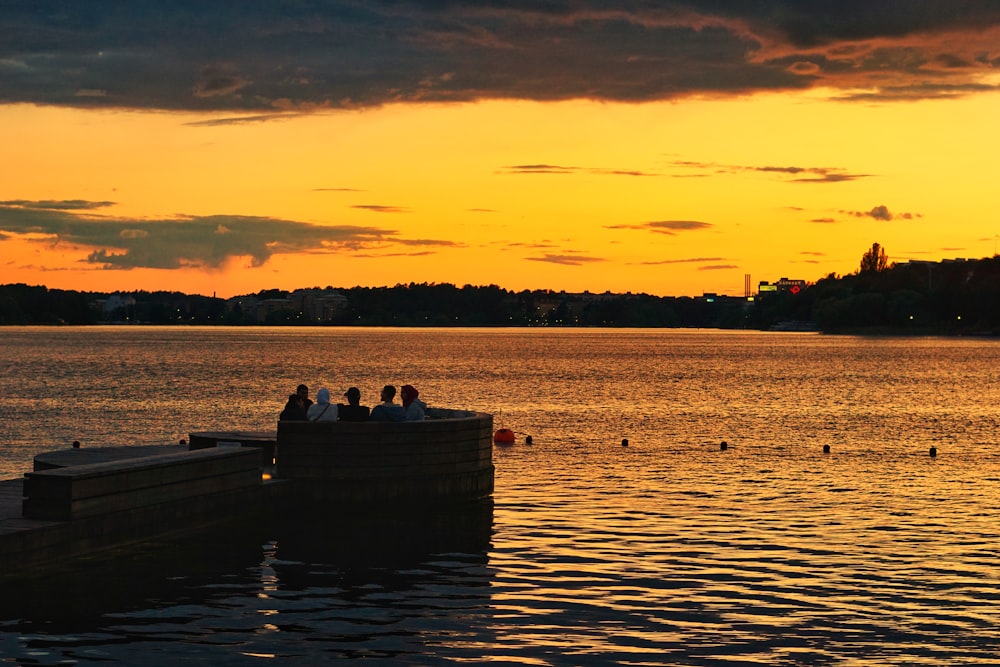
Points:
(503, 436)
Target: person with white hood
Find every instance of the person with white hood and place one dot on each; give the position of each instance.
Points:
(322, 410)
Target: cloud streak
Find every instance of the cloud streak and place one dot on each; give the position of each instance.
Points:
(380, 208)
(258, 57)
(691, 260)
(883, 214)
(560, 170)
(188, 241)
(668, 227)
(793, 174)
(569, 259)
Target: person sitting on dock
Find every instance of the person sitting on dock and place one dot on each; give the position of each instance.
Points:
(353, 411)
(416, 410)
(303, 392)
(387, 411)
(322, 410)
(295, 409)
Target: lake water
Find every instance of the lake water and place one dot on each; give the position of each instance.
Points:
(668, 551)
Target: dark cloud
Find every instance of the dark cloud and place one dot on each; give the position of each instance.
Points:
(536, 245)
(201, 241)
(244, 120)
(692, 260)
(438, 243)
(216, 82)
(921, 91)
(55, 205)
(795, 174)
(718, 267)
(381, 208)
(556, 169)
(567, 259)
(260, 56)
(623, 172)
(540, 169)
(882, 213)
(669, 227)
(384, 255)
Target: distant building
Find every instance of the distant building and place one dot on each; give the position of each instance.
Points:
(318, 305)
(119, 302)
(783, 285)
(312, 305)
(268, 307)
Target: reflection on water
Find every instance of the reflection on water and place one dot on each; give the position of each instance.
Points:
(754, 557)
(307, 588)
(668, 551)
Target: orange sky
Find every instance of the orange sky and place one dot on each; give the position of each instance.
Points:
(673, 194)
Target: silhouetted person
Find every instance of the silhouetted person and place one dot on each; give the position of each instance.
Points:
(303, 391)
(295, 409)
(416, 410)
(353, 411)
(322, 410)
(387, 411)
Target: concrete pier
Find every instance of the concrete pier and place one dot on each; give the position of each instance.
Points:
(443, 459)
(85, 500)
(63, 512)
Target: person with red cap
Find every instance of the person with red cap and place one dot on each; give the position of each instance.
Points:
(416, 409)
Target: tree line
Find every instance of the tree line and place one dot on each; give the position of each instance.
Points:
(947, 297)
(915, 297)
(413, 304)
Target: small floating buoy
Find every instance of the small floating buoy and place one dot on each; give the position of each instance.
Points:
(723, 446)
(624, 442)
(76, 444)
(826, 449)
(183, 441)
(527, 439)
(933, 451)
(503, 436)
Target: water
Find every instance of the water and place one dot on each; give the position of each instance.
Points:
(666, 552)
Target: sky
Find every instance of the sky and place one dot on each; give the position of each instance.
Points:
(667, 148)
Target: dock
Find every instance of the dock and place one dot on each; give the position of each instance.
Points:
(81, 501)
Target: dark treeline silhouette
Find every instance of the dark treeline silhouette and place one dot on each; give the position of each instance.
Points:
(447, 305)
(948, 297)
(23, 304)
(414, 304)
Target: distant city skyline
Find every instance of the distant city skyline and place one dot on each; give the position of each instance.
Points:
(668, 148)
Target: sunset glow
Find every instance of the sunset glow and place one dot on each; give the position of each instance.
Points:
(749, 146)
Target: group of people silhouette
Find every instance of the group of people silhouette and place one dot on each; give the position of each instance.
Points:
(301, 408)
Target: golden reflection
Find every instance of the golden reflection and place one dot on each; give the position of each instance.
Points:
(268, 584)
